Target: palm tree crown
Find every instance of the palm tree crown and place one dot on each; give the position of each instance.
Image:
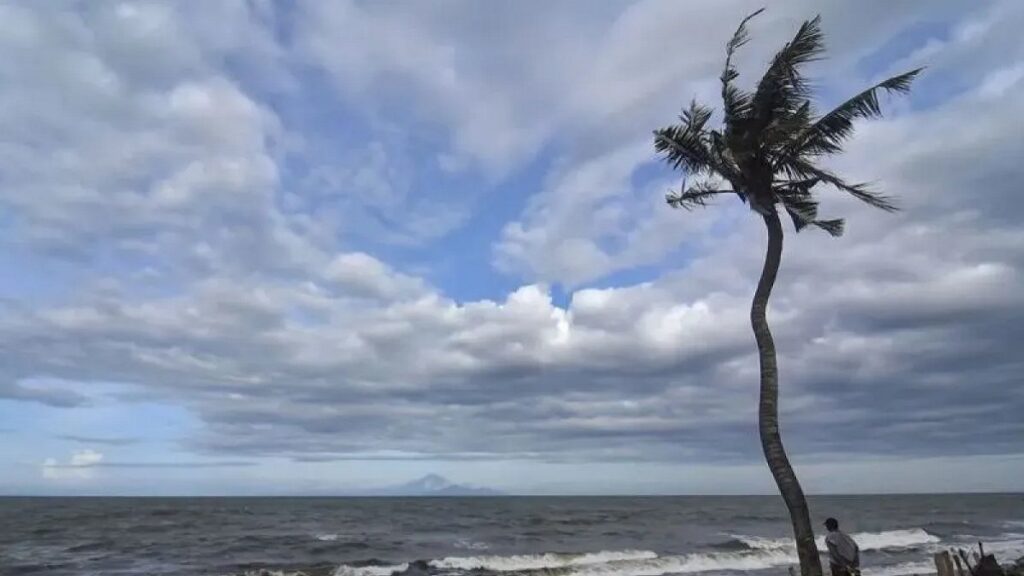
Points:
(767, 149)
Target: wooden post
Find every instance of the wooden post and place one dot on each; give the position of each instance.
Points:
(959, 566)
(944, 565)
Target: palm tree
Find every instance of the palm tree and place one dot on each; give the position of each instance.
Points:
(766, 153)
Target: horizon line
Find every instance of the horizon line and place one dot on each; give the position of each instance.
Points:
(518, 495)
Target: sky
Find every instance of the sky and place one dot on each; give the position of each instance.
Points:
(255, 247)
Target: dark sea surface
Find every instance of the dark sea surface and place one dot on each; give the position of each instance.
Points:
(552, 536)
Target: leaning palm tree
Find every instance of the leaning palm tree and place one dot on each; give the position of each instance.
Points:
(766, 153)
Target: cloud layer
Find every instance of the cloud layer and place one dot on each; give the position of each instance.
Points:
(248, 210)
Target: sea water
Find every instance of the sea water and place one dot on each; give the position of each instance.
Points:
(500, 536)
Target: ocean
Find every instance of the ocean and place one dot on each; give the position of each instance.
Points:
(530, 536)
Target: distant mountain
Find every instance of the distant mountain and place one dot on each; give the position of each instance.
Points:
(435, 485)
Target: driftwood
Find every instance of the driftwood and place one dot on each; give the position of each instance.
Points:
(943, 564)
(976, 564)
(961, 567)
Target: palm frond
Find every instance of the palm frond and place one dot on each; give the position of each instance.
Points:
(686, 145)
(803, 169)
(696, 196)
(796, 198)
(827, 134)
(835, 227)
(801, 187)
(723, 156)
(802, 207)
(766, 149)
(779, 133)
(783, 87)
(735, 100)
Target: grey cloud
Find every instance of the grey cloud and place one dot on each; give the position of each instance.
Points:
(646, 372)
(898, 339)
(182, 465)
(589, 220)
(97, 440)
(185, 465)
(51, 396)
(159, 157)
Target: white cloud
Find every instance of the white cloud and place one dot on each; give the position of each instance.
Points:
(153, 155)
(287, 344)
(357, 273)
(591, 221)
(86, 458)
(78, 467)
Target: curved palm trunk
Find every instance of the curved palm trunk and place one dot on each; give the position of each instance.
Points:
(768, 416)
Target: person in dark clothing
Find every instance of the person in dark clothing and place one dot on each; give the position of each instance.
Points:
(843, 552)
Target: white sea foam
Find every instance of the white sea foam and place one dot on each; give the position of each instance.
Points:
(346, 570)
(902, 569)
(621, 563)
(1008, 548)
(266, 572)
(467, 544)
(889, 539)
(688, 564)
(327, 537)
(538, 561)
(765, 553)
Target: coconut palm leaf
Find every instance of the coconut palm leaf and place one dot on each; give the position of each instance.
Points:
(805, 169)
(696, 196)
(736, 102)
(686, 145)
(827, 134)
(783, 88)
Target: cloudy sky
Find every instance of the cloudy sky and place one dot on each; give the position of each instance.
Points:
(258, 247)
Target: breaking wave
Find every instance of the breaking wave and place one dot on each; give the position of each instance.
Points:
(902, 569)
(604, 563)
(689, 563)
(888, 540)
(1008, 547)
(538, 561)
(384, 570)
(744, 553)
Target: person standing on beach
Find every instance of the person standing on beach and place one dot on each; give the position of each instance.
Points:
(843, 552)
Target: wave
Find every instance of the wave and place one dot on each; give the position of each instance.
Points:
(603, 563)
(91, 546)
(382, 570)
(265, 572)
(538, 561)
(327, 537)
(902, 569)
(689, 563)
(888, 540)
(616, 563)
(467, 544)
(756, 554)
(912, 538)
(1008, 549)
